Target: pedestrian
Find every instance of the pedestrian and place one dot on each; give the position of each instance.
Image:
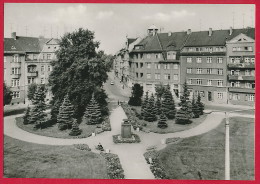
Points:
(118, 102)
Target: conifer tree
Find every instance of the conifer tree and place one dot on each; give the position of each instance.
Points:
(26, 117)
(185, 95)
(64, 118)
(92, 113)
(144, 104)
(158, 106)
(149, 111)
(184, 115)
(38, 116)
(195, 108)
(200, 105)
(75, 129)
(162, 121)
(168, 105)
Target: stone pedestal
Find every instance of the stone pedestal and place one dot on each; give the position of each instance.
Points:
(126, 129)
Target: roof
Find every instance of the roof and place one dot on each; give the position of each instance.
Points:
(24, 44)
(130, 40)
(152, 27)
(218, 37)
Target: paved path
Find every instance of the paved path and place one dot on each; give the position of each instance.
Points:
(131, 155)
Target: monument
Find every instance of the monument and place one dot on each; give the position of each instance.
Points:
(126, 129)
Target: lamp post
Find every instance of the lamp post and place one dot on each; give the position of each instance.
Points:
(227, 149)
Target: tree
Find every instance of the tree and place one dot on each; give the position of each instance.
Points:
(7, 95)
(162, 121)
(185, 95)
(184, 115)
(158, 106)
(79, 71)
(168, 105)
(144, 104)
(195, 108)
(32, 89)
(200, 105)
(136, 97)
(92, 113)
(65, 116)
(150, 114)
(26, 117)
(38, 116)
(159, 91)
(75, 129)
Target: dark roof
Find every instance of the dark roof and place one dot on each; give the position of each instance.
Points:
(130, 40)
(218, 37)
(24, 44)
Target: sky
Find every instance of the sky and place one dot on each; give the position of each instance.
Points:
(112, 23)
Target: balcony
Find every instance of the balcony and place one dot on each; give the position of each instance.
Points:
(241, 78)
(16, 76)
(32, 74)
(241, 90)
(242, 65)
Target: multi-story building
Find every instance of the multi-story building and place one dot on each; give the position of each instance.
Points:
(27, 60)
(241, 67)
(121, 61)
(155, 60)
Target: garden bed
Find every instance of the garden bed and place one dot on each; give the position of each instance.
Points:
(118, 139)
(52, 130)
(132, 112)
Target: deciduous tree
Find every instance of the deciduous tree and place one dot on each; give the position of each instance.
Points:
(136, 97)
(7, 95)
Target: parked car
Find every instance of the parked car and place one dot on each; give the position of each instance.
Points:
(112, 82)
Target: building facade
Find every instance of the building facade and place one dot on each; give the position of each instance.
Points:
(27, 60)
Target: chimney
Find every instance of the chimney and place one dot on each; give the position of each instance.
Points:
(189, 31)
(210, 31)
(13, 35)
(230, 31)
(169, 33)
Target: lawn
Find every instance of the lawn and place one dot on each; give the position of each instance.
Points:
(202, 157)
(172, 126)
(28, 160)
(53, 130)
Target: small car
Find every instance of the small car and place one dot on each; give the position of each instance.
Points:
(112, 82)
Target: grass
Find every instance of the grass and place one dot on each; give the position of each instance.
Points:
(28, 160)
(202, 157)
(53, 130)
(172, 126)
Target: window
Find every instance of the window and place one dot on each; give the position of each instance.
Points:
(220, 71)
(157, 76)
(42, 68)
(136, 65)
(157, 66)
(232, 84)
(234, 49)
(247, 72)
(16, 71)
(236, 97)
(136, 74)
(16, 58)
(232, 72)
(199, 81)
(49, 68)
(251, 97)
(141, 75)
(199, 70)
(141, 65)
(248, 85)
(48, 56)
(219, 60)
(198, 59)
(209, 59)
(167, 76)
(148, 56)
(16, 94)
(4, 58)
(220, 95)
(30, 80)
(15, 82)
(148, 76)
(189, 81)
(175, 66)
(237, 84)
(252, 60)
(220, 82)
(209, 82)
(232, 60)
(175, 77)
(189, 60)
(247, 59)
(157, 56)
(237, 60)
(190, 49)
(237, 72)
(189, 70)
(42, 81)
(248, 49)
(209, 70)
(166, 66)
(253, 72)
(238, 48)
(148, 65)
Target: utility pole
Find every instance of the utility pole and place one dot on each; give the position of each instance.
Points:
(227, 149)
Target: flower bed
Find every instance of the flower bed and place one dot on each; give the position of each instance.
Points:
(118, 139)
(106, 125)
(157, 170)
(114, 168)
(83, 147)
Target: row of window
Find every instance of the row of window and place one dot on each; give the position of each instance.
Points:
(206, 71)
(15, 82)
(237, 60)
(205, 49)
(208, 60)
(246, 48)
(157, 76)
(32, 80)
(248, 97)
(170, 55)
(209, 82)
(247, 84)
(247, 72)
(157, 66)
(16, 70)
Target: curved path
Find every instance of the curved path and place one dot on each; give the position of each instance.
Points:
(131, 155)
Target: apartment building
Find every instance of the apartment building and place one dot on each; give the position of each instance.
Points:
(241, 67)
(27, 60)
(155, 60)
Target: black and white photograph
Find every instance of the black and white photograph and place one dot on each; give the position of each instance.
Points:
(129, 91)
